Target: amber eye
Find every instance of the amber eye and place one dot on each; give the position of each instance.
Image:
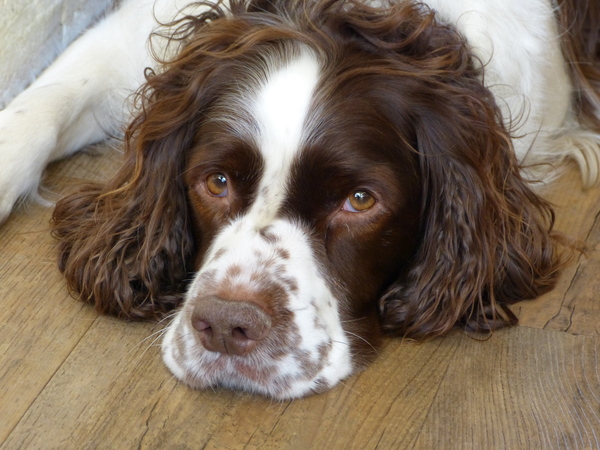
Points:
(359, 201)
(216, 183)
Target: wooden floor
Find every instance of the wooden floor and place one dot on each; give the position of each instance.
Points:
(72, 379)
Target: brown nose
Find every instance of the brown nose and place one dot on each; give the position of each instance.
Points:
(227, 326)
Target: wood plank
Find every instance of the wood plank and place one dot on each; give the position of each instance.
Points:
(579, 310)
(40, 323)
(521, 388)
(574, 305)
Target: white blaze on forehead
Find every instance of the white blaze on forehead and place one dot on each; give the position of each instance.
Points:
(280, 110)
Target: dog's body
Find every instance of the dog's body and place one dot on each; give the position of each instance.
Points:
(319, 167)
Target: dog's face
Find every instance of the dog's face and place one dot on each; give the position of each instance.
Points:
(305, 210)
(300, 180)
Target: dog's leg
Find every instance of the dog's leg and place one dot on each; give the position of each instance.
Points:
(78, 100)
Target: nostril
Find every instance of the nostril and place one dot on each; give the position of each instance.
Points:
(253, 334)
(239, 333)
(204, 329)
(228, 326)
(201, 325)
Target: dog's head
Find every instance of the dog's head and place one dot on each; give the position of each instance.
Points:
(302, 179)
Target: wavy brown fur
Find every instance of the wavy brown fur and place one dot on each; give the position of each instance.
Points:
(486, 239)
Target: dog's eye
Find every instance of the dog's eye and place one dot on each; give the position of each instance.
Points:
(216, 183)
(359, 201)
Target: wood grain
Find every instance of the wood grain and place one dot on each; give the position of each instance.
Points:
(574, 306)
(522, 388)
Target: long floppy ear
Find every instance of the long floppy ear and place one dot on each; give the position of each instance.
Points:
(487, 239)
(127, 246)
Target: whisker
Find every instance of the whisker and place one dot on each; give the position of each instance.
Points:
(167, 317)
(350, 388)
(354, 320)
(364, 340)
(154, 336)
(157, 334)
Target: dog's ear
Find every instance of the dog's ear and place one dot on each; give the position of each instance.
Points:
(487, 239)
(128, 246)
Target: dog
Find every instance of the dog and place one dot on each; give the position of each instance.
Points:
(302, 178)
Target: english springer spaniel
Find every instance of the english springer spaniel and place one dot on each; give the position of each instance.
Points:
(303, 177)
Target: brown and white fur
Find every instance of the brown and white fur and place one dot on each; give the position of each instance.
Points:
(301, 177)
